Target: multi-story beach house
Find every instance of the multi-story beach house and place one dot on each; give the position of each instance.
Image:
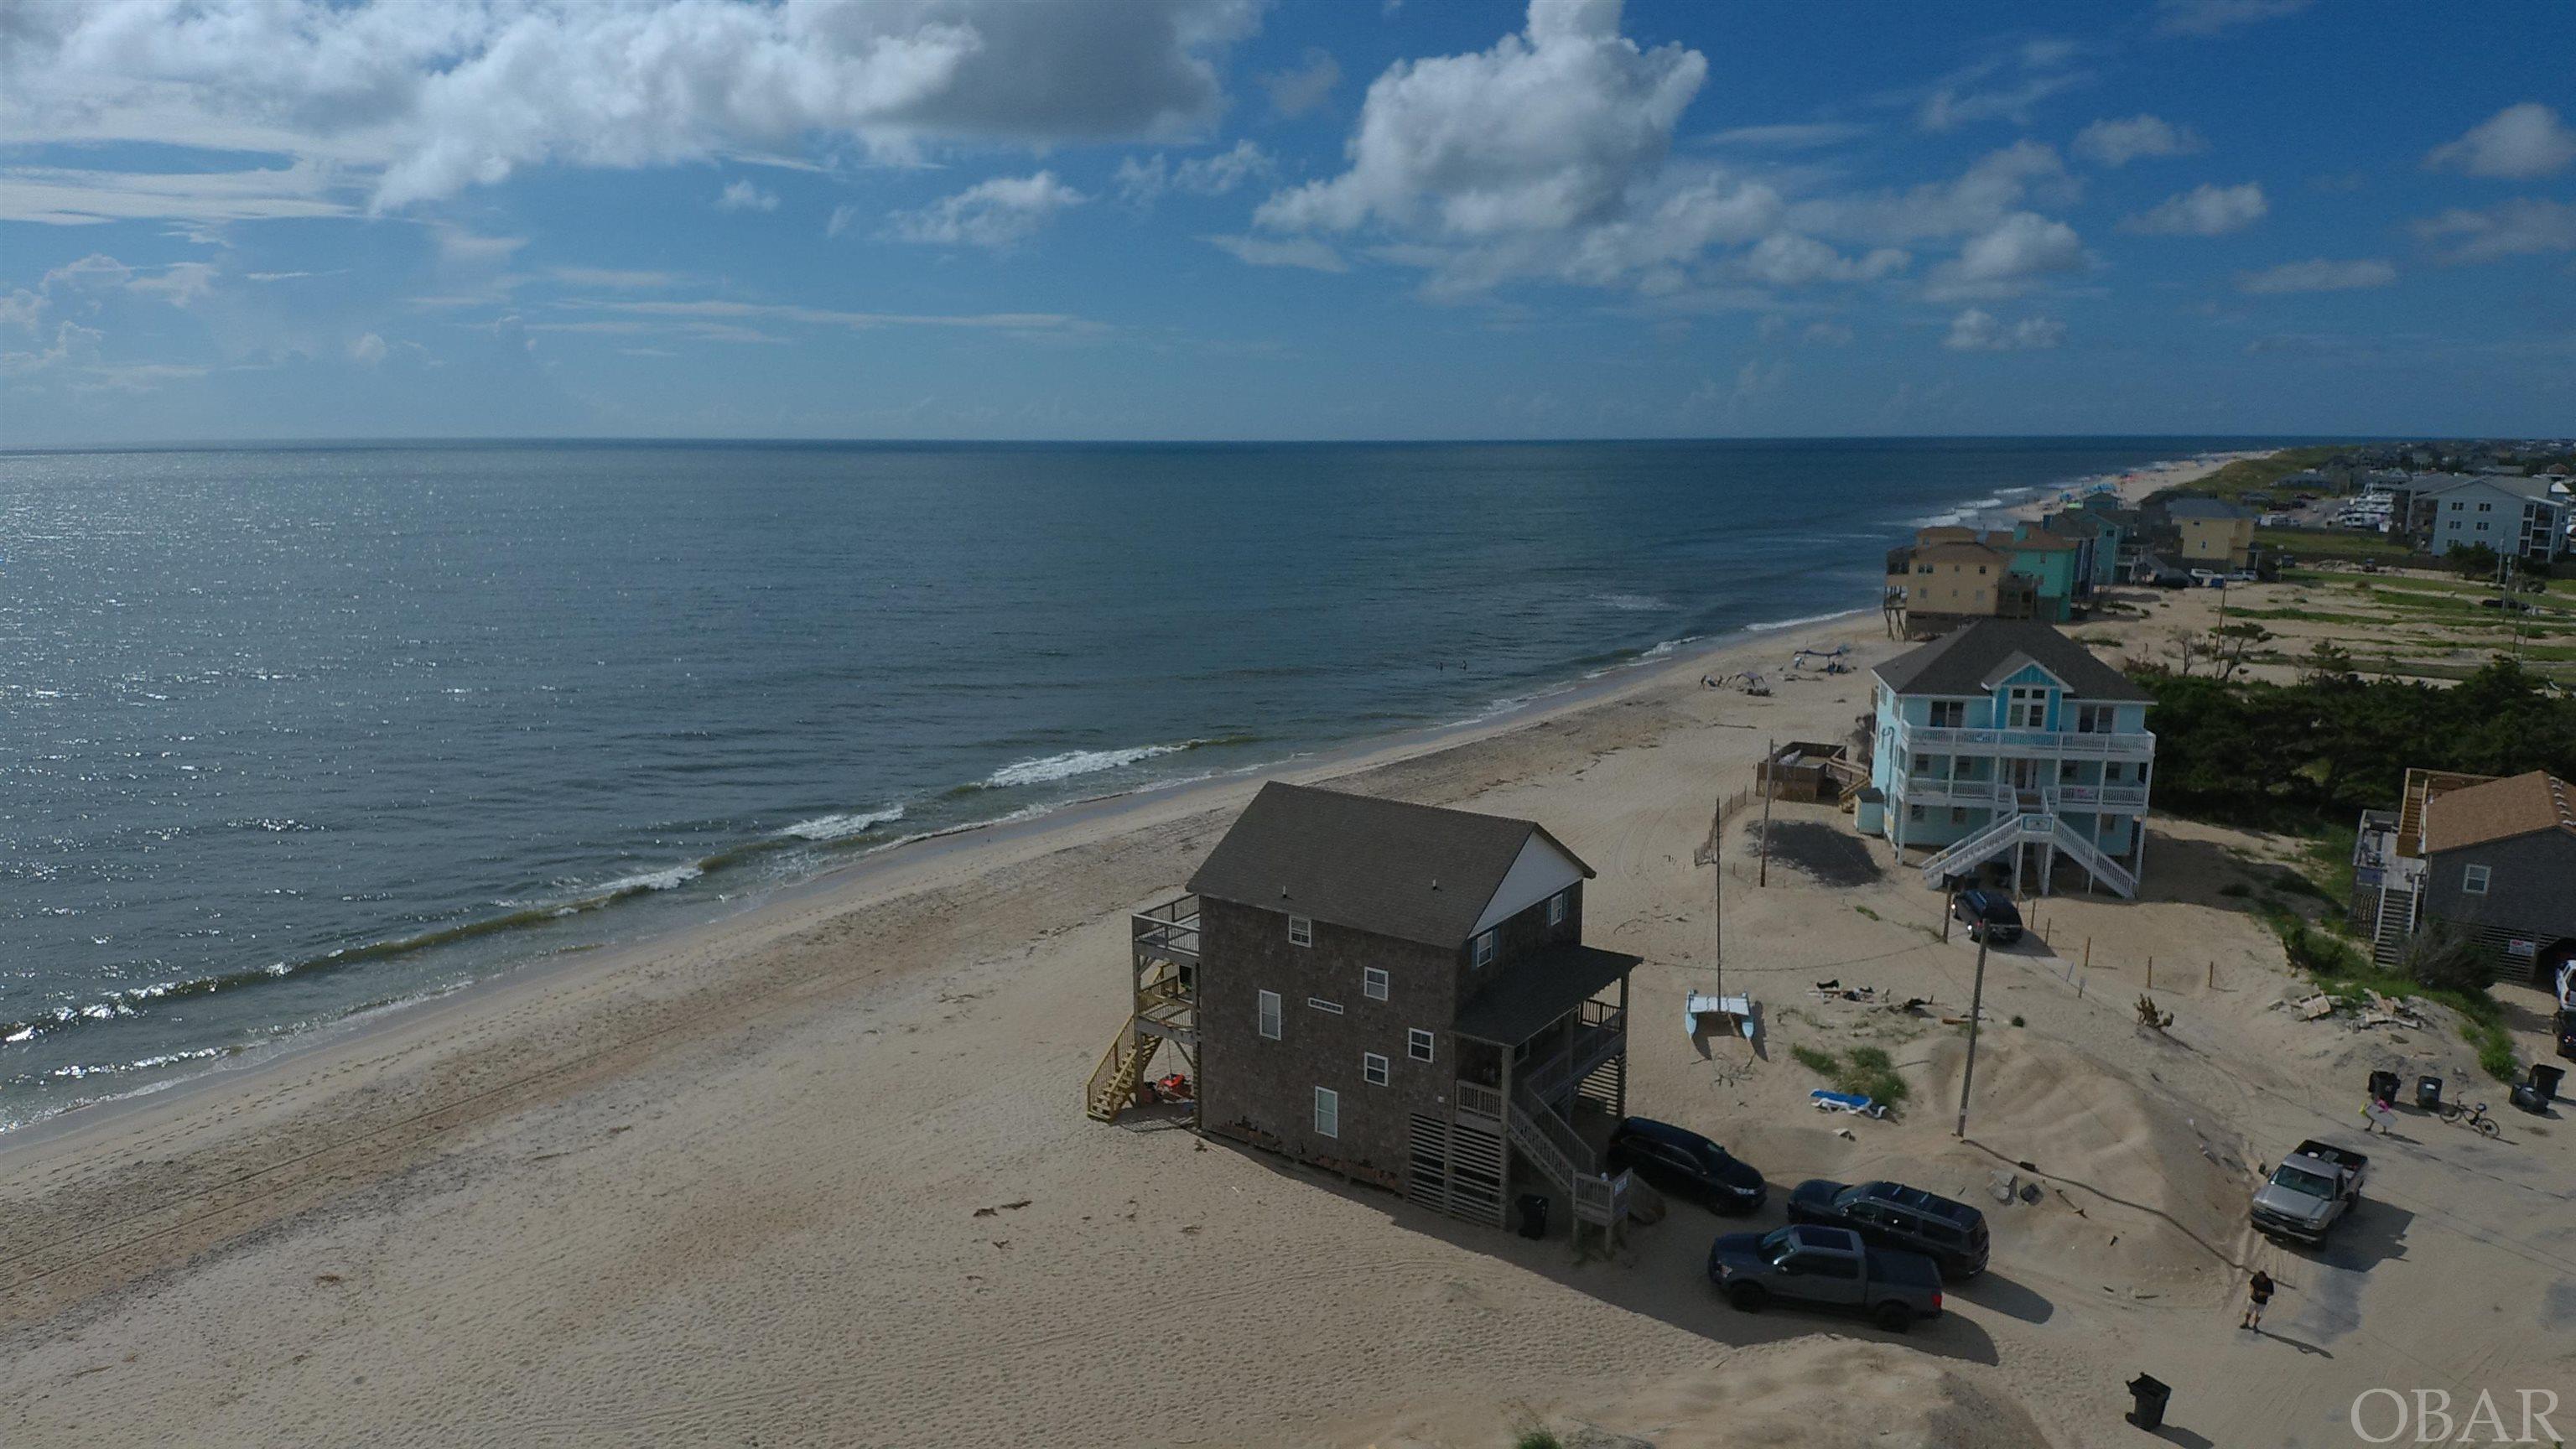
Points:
(2007, 741)
(2214, 533)
(2055, 564)
(2494, 859)
(1395, 992)
(2517, 517)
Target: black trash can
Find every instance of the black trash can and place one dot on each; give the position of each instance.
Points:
(1533, 1209)
(2545, 1080)
(2526, 1098)
(2383, 1086)
(2149, 1395)
(2428, 1092)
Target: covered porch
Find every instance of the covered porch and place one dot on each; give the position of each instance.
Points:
(1542, 1061)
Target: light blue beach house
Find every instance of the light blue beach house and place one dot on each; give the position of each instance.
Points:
(2006, 740)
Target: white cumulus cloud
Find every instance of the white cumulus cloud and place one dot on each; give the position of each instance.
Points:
(2526, 227)
(1786, 259)
(993, 213)
(1976, 330)
(2321, 275)
(1544, 154)
(367, 349)
(2517, 143)
(2205, 210)
(743, 196)
(2011, 257)
(2119, 142)
(424, 98)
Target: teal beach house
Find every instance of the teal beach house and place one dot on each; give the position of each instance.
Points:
(2007, 742)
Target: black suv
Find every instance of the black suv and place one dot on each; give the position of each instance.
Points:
(1891, 1215)
(1990, 916)
(1686, 1164)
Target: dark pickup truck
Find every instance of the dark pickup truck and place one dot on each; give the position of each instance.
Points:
(1831, 1266)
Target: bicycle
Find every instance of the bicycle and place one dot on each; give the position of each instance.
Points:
(2461, 1116)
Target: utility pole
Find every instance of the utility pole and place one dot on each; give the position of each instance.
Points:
(1976, 1009)
(1770, 787)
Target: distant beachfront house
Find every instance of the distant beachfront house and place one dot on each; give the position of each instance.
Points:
(2101, 534)
(1947, 582)
(2492, 858)
(2214, 534)
(2009, 741)
(1395, 992)
(2058, 567)
(2520, 517)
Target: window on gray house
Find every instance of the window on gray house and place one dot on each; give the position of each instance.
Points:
(1373, 982)
(1301, 931)
(1556, 909)
(1328, 1112)
(1373, 1069)
(1270, 1015)
(1913, 812)
(1485, 949)
(1417, 1044)
(2473, 881)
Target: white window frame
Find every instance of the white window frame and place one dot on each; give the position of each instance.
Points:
(1269, 1022)
(1373, 982)
(1320, 1004)
(1484, 949)
(1328, 1113)
(1301, 930)
(2034, 698)
(1419, 1044)
(2475, 879)
(1556, 908)
(1373, 1069)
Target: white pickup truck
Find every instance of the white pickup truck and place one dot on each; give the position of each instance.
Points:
(2311, 1191)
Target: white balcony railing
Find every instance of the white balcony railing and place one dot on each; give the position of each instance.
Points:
(2115, 745)
(2003, 795)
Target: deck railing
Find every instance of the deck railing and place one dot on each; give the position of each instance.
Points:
(1479, 1100)
(1170, 929)
(2106, 744)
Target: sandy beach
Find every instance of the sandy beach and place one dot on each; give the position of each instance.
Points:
(820, 1174)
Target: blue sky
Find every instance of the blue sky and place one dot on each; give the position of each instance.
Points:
(242, 219)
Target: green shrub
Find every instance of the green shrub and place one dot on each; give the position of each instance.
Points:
(1823, 1064)
(1538, 1439)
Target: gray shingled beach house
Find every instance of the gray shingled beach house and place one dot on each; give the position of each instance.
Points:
(1396, 992)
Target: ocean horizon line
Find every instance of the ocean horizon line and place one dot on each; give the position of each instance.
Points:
(323, 443)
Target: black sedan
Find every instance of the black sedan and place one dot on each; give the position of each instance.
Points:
(1685, 1164)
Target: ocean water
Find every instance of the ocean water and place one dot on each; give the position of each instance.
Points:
(290, 736)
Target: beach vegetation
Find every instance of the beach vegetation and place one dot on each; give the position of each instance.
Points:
(2314, 753)
(1864, 1071)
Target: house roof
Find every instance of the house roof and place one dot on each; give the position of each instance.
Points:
(1538, 989)
(1960, 663)
(1413, 872)
(1957, 553)
(2499, 810)
(2070, 523)
(2203, 508)
(2040, 540)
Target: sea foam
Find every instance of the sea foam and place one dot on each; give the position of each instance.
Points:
(1076, 762)
(844, 825)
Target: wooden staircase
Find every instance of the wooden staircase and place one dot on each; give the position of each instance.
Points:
(1125, 1063)
(2395, 923)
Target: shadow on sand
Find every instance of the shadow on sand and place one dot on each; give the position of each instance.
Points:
(1660, 1272)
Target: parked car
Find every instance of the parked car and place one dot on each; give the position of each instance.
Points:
(2312, 1190)
(1685, 1164)
(1894, 1216)
(1991, 916)
(1831, 1266)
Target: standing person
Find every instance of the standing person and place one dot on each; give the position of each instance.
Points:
(2257, 1293)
